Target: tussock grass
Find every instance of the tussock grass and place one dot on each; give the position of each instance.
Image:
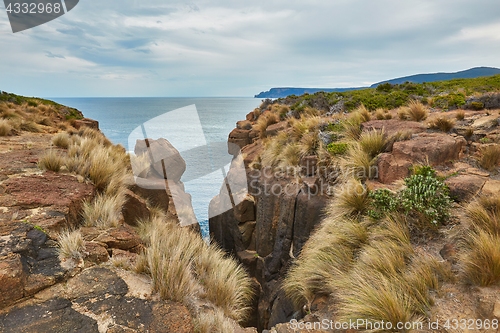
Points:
(415, 111)
(271, 155)
(102, 168)
(5, 127)
(182, 266)
(104, 211)
(51, 160)
(484, 214)
(290, 155)
(380, 113)
(460, 115)
(375, 297)
(61, 140)
(324, 259)
(443, 124)
(350, 200)
(9, 113)
(481, 259)
(310, 144)
(263, 122)
(29, 126)
(71, 244)
(373, 142)
(358, 163)
(385, 257)
(212, 321)
(490, 157)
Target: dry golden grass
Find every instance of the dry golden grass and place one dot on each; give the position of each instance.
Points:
(460, 115)
(290, 155)
(442, 123)
(380, 114)
(104, 211)
(102, 168)
(61, 140)
(271, 155)
(375, 297)
(358, 163)
(350, 200)
(182, 266)
(29, 126)
(51, 160)
(484, 214)
(265, 119)
(415, 111)
(212, 321)
(71, 244)
(490, 157)
(373, 142)
(310, 144)
(481, 259)
(5, 127)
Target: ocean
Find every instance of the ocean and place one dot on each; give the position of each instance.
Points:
(118, 117)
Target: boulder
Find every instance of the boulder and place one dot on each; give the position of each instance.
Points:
(154, 190)
(134, 209)
(122, 237)
(85, 122)
(171, 317)
(464, 187)
(486, 122)
(392, 168)
(167, 161)
(244, 124)
(274, 129)
(434, 148)
(239, 137)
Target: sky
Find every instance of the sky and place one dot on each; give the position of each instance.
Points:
(239, 48)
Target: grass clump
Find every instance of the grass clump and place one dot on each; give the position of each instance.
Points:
(443, 124)
(264, 121)
(51, 160)
(481, 259)
(490, 157)
(61, 140)
(351, 200)
(182, 266)
(373, 142)
(415, 111)
(104, 211)
(460, 115)
(71, 244)
(29, 126)
(358, 163)
(5, 127)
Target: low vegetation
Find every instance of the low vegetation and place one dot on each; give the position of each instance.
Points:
(490, 157)
(442, 124)
(51, 160)
(71, 244)
(5, 127)
(415, 111)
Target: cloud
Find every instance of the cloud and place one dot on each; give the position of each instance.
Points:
(224, 48)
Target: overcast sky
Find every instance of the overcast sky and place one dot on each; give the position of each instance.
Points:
(239, 48)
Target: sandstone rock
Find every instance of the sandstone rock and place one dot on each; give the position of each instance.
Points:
(491, 187)
(251, 116)
(309, 165)
(244, 124)
(393, 126)
(274, 129)
(171, 317)
(486, 122)
(434, 148)
(11, 279)
(392, 168)
(250, 152)
(48, 189)
(239, 137)
(37, 282)
(85, 122)
(154, 190)
(95, 253)
(168, 162)
(247, 231)
(245, 210)
(465, 187)
(122, 237)
(449, 252)
(134, 209)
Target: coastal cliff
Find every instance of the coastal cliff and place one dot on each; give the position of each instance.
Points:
(325, 187)
(90, 240)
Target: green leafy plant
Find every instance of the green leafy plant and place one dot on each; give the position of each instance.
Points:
(383, 201)
(337, 148)
(426, 196)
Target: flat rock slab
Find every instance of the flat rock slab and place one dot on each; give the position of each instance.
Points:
(47, 189)
(393, 126)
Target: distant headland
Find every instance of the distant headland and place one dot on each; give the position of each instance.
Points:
(418, 78)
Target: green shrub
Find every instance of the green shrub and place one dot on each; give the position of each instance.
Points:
(383, 201)
(337, 148)
(476, 106)
(426, 196)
